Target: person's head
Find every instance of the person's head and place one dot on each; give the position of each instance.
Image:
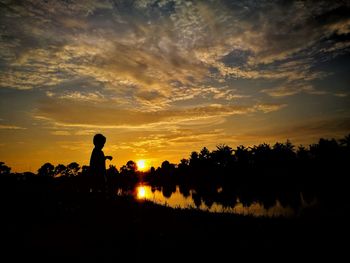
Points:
(99, 140)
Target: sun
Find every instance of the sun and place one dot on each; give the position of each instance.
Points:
(141, 164)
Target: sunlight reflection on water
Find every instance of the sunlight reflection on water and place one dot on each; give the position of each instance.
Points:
(178, 200)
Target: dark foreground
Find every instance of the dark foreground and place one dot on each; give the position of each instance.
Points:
(84, 227)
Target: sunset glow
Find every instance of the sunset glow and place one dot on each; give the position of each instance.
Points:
(164, 78)
(141, 164)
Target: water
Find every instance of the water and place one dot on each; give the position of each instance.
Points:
(177, 200)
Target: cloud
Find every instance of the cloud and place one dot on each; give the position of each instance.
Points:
(175, 138)
(79, 146)
(269, 107)
(89, 115)
(162, 145)
(141, 49)
(61, 133)
(71, 131)
(338, 47)
(153, 56)
(78, 96)
(341, 95)
(338, 23)
(305, 133)
(11, 127)
(292, 89)
(34, 68)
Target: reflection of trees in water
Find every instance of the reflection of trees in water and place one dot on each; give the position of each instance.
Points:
(262, 192)
(197, 199)
(155, 188)
(231, 198)
(227, 197)
(168, 190)
(184, 190)
(208, 202)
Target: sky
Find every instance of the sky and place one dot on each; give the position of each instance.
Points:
(163, 78)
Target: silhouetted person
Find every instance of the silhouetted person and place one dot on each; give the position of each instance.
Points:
(98, 163)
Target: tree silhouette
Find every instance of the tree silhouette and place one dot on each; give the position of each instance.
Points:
(129, 172)
(85, 170)
(167, 166)
(112, 171)
(325, 151)
(302, 153)
(345, 142)
(167, 170)
(60, 170)
(242, 155)
(194, 159)
(131, 166)
(261, 154)
(204, 154)
(222, 156)
(183, 163)
(4, 169)
(284, 151)
(73, 169)
(47, 170)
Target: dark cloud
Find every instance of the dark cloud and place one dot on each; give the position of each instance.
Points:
(164, 41)
(236, 58)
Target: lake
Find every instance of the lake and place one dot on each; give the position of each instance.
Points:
(176, 199)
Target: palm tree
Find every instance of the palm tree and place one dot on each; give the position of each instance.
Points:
(284, 151)
(222, 156)
(204, 154)
(302, 153)
(261, 154)
(242, 155)
(325, 149)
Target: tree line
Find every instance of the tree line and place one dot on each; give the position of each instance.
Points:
(279, 157)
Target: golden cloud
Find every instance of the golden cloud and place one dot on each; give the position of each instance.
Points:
(80, 114)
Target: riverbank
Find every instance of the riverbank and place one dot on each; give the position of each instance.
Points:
(89, 227)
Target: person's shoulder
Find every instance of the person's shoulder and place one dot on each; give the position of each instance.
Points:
(96, 152)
